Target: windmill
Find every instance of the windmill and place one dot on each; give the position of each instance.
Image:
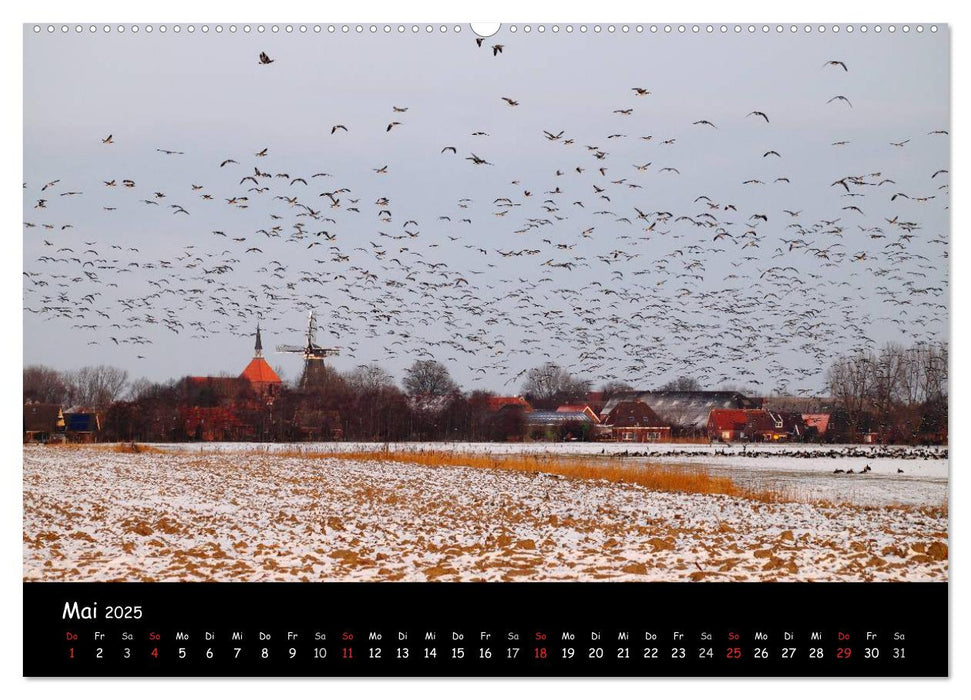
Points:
(313, 354)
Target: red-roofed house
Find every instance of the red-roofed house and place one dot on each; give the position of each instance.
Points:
(819, 421)
(498, 402)
(731, 424)
(635, 421)
(579, 408)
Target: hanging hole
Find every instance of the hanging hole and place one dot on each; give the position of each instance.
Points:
(485, 29)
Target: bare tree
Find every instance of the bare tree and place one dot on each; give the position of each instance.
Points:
(850, 381)
(543, 383)
(44, 385)
(934, 359)
(96, 387)
(370, 377)
(138, 388)
(682, 384)
(612, 388)
(887, 373)
(428, 378)
(550, 384)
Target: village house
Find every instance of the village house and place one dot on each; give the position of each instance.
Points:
(635, 421)
(43, 422)
(746, 425)
(819, 422)
(497, 403)
(686, 412)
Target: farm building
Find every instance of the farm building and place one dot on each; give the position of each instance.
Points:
(42, 422)
(81, 425)
(685, 411)
(731, 425)
(579, 408)
(634, 421)
(556, 425)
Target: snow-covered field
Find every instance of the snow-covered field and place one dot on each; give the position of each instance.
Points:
(898, 475)
(233, 515)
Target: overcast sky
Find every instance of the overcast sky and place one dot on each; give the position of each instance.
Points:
(635, 273)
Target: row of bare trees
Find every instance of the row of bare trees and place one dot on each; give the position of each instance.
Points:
(94, 387)
(898, 392)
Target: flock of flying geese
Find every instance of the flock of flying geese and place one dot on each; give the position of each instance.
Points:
(613, 264)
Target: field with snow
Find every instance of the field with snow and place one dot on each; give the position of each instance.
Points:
(260, 513)
(898, 475)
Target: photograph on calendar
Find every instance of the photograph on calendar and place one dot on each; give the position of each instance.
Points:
(378, 303)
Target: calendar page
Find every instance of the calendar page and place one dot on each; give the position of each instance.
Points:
(555, 349)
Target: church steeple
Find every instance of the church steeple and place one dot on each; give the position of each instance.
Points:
(258, 373)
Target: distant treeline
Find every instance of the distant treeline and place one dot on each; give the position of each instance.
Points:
(900, 393)
(897, 392)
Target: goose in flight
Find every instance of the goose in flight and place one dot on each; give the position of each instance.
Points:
(705, 121)
(840, 97)
(511, 102)
(336, 127)
(107, 139)
(264, 59)
(758, 114)
(836, 63)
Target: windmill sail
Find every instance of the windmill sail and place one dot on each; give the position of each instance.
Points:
(314, 367)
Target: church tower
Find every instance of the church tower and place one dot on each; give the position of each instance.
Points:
(258, 372)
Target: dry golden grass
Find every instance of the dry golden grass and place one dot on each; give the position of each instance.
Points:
(659, 477)
(682, 478)
(132, 448)
(120, 447)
